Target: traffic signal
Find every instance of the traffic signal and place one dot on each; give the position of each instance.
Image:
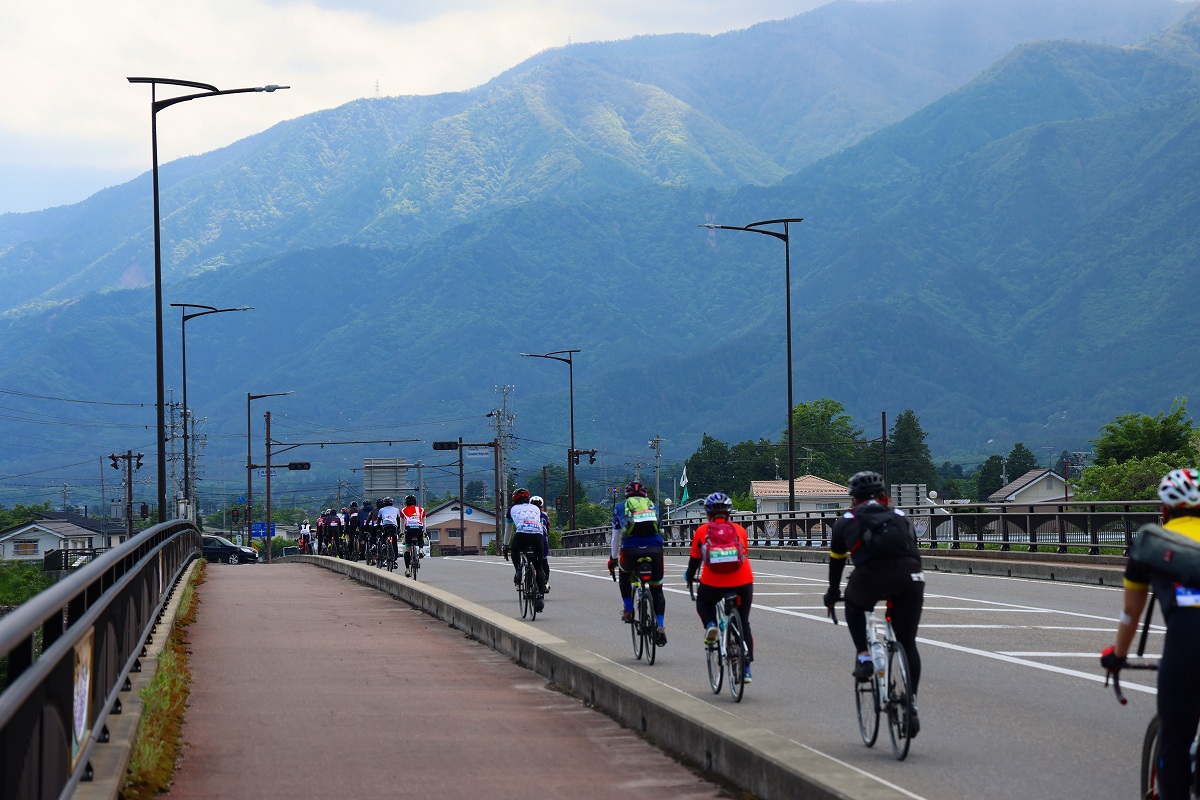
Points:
(235, 515)
(145, 509)
(592, 456)
(139, 457)
(299, 465)
(558, 503)
(116, 461)
(445, 445)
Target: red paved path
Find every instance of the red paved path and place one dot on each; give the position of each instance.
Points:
(307, 684)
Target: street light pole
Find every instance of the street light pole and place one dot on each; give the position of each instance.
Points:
(756, 227)
(250, 460)
(160, 398)
(187, 497)
(557, 355)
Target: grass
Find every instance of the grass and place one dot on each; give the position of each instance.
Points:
(159, 740)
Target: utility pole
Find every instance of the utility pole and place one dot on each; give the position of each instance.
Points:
(130, 465)
(656, 446)
(65, 492)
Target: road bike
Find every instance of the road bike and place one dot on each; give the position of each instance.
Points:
(644, 626)
(727, 655)
(528, 595)
(414, 558)
(387, 551)
(889, 690)
(1150, 744)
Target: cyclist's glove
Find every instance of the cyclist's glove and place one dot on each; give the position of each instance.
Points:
(1111, 661)
(505, 551)
(832, 596)
(612, 567)
(689, 577)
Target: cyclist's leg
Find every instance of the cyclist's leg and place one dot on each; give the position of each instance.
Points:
(745, 593)
(626, 562)
(408, 540)
(656, 582)
(907, 603)
(861, 597)
(1178, 701)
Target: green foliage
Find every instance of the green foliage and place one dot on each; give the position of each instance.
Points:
(1133, 479)
(989, 478)
(1020, 460)
(20, 514)
(20, 581)
(475, 492)
(588, 515)
(1139, 436)
(827, 435)
(909, 459)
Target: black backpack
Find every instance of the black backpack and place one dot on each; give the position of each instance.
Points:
(891, 537)
(1167, 552)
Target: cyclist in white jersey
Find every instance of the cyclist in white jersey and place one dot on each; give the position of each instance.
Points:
(523, 533)
(389, 515)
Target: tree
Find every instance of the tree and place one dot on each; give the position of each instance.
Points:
(988, 478)
(20, 581)
(1138, 436)
(909, 459)
(1020, 460)
(828, 442)
(475, 492)
(20, 514)
(1132, 479)
(708, 467)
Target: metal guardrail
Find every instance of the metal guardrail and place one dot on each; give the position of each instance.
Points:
(67, 654)
(1053, 526)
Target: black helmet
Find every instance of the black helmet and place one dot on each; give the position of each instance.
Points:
(636, 489)
(865, 485)
(410, 500)
(387, 501)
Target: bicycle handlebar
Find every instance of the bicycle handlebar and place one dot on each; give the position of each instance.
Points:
(1116, 676)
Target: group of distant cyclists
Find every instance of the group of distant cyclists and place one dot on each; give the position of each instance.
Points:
(370, 534)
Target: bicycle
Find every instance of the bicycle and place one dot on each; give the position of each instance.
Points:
(643, 628)
(387, 551)
(889, 690)
(527, 588)
(414, 558)
(1150, 744)
(727, 656)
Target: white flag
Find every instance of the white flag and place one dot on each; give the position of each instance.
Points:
(683, 478)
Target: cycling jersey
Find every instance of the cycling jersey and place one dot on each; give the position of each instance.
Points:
(1171, 595)
(413, 516)
(388, 515)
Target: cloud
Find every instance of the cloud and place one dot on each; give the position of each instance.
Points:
(67, 104)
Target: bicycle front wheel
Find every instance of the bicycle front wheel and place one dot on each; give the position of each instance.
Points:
(899, 702)
(415, 560)
(735, 657)
(866, 702)
(1150, 761)
(521, 593)
(531, 590)
(716, 667)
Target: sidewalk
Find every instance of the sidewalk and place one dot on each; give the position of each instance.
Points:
(309, 684)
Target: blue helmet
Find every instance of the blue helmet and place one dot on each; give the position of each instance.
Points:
(718, 502)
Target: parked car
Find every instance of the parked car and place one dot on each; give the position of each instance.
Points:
(218, 548)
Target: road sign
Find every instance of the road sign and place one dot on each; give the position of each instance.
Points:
(260, 529)
(477, 451)
(262, 473)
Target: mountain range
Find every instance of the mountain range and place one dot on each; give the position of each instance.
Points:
(1000, 233)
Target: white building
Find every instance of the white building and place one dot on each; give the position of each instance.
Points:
(812, 494)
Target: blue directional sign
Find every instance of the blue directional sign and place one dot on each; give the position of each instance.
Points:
(260, 529)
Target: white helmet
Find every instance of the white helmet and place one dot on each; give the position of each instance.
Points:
(537, 500)
(1180, 488)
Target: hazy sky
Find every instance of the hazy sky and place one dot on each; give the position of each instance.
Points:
(70, 123)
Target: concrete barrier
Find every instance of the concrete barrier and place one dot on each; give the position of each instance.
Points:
(754, 759)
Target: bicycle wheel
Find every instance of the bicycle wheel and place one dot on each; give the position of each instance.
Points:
(899, 702)
(866, 702)
(415, 560)
(1150, 761)
(649, 625)
(716, 667)
(635, 627)
(531, 589)
(735, 657)
(521, 604)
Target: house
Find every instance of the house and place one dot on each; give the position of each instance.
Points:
(442, 527)
(57, 530)
(812, 494)
(1040, 485)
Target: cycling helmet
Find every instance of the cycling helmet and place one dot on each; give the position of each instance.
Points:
(865, 485)
(520, 496)
(411, 500)
(636, 489)
(537, 500)
(718, 502)
(1180, 488)
(387, 501)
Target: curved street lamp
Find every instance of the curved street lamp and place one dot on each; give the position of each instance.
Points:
(557, 355)
(183, 352)
(156, 106)
(756, 227)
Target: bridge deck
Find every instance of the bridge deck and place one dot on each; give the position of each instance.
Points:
(308, 684)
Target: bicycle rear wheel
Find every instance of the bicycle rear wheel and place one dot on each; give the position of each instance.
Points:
(635, 627)
(866, 702)
(716, 667)
(1150, 761)
(735, 657)
(531, 589)
(899, 704)
(647, 622)
(521, 592)
(415, 561)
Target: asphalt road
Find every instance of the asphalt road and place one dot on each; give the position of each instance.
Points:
(1012, 701)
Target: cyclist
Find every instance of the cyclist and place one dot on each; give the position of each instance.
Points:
(636, 535)
(719, 554)
(1178, 703)
(388, 516)
(881, 543)
(523, 533)
(413, 517)
(353, 529)
(541, 504)
(364, 516)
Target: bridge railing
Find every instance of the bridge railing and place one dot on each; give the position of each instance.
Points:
(66, 655)
(1049, 527)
